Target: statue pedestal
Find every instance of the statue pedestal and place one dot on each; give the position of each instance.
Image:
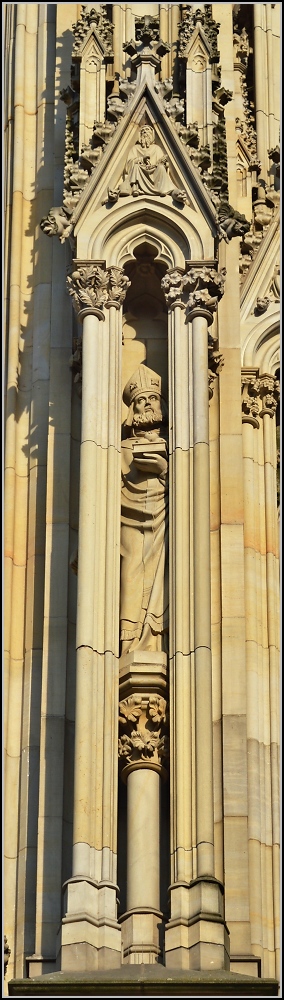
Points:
(197, 937)
(140, 671)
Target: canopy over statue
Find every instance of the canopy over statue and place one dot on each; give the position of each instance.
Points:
(144, 516)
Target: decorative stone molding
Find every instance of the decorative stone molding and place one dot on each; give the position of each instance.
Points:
(260, 395)
(261, 305)
(7, 953)
(75, 364)
(274, 155)
(269, 391)
(172, 286)
(215, 365)
(250, 391)
(147, 29)
(145, 740)
(242, 48)
(147, 50)
(56, 223)
(274, 288)
(231, 222)
(93, 287)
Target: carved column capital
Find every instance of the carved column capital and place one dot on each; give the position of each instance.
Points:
(204, 287)
(269, 391)
(198, 290)
(172, 286)
(143, 740)
(250, 392)
(118, 283)
(94, 287)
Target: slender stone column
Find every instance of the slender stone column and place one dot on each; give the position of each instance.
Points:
(193, 940)
(269, 392)
(142, 749)
(181, 609)
(261, 94)
(255, 641)
(90, 935)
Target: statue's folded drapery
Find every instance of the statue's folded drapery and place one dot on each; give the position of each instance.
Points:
(144, 552)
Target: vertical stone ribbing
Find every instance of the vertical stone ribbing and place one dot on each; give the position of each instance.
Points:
(216, 629)
(181, 611)
(17, 451)
(269, 391)
(261, 95)
(95, 774)
(199, 289)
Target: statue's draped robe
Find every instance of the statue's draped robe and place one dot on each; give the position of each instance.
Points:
(153, 179)
(144, 550)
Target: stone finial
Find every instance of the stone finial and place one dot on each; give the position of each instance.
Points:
(93, 287)
(89, 19)
(203, 17)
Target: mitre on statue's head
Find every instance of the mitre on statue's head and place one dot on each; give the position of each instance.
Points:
(143, 379)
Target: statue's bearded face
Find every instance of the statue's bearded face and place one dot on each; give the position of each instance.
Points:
(147, 409)
(145, 138)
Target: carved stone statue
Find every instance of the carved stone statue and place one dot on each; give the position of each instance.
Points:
(144, 516)
(146, 171)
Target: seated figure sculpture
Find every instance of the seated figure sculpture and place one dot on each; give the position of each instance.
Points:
(144, 516)
(146, 171)
(146, 168)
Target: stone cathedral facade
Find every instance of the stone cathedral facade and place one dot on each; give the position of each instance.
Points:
(142, 384)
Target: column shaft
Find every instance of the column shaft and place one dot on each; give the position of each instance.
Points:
(96, 710)
(143, 813)
(180, 599)
(202, 601)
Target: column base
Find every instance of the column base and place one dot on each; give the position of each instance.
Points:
(196, 936)
(90, 935)
(141, 934)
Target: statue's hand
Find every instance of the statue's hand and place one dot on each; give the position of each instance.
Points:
(155, 464)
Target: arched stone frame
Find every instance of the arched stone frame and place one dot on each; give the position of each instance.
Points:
(186, 239)
(261, 346)
(179, 234)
